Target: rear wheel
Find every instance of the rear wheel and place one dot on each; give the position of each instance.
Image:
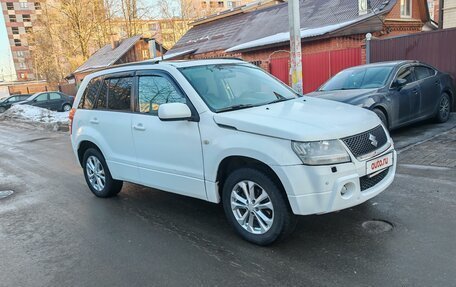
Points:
(256, 207)
(2, 110)
(97, 175)
(443, 113)
(381, 115)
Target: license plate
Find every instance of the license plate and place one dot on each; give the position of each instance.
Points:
(379, 163)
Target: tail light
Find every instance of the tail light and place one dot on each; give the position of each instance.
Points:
(71, 117)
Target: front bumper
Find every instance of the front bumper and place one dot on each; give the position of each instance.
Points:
(318, 189)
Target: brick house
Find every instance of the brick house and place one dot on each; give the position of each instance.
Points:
(133, 49)
(332, 32)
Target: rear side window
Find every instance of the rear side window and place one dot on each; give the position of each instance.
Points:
(119, 93)
(90, 94)
(102, 102)
(54, 96)
(423, 72)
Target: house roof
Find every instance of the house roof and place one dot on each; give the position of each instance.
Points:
(106, 56)
(318, 18)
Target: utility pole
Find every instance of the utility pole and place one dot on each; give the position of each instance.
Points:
(295, 45)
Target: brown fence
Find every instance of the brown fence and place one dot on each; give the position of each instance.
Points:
(436, 48)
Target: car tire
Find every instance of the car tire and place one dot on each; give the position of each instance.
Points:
(444, 108)
(381, 115)
(243, 213)
(98, 176)
(2, 110)
(66, 108)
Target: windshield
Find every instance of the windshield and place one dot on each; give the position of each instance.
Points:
(232, 86)
(361, 78)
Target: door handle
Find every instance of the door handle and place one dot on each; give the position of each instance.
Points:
(94, 121)
(139, 127)
(415, 92)
(437, 83)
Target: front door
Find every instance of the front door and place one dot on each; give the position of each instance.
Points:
(169, 153)
(42, 101)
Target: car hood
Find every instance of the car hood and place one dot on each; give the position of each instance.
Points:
(346, 96)
(302, 119)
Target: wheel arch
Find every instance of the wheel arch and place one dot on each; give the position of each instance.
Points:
(385, 112)
(233, 162)
(85, 145)
(452, 99)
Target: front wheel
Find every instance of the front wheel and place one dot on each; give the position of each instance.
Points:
(443, 114)
(98, 176)
(66, 107)
(256, 207)
(2, 110)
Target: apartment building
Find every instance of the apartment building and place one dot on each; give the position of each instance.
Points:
(449, 14)
(19, 18)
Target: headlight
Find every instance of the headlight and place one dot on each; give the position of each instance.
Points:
(321, 152)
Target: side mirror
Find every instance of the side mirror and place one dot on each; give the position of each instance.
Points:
(174, 112)
(399, 83)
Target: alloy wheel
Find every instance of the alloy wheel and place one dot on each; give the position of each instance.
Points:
(444, 109)
(252, 207)
(95, 173)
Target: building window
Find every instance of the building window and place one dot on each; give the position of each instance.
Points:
(12, 18)
(153, 26)
(26, 18)
(231, 4)
(220, 4)
(20, 54)
(22, 76)
(23, 5)
(406, 8)
(204, 5)
(9, 6)
(17, 42)
(22, 66)
(37, 6)
(28, 30)
(15, 30)
(145, 54)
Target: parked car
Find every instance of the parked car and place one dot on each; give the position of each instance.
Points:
(55, 101)
(226, 131)
(6, 102)
(400, 93)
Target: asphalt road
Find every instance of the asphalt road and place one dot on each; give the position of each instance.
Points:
(54, 232)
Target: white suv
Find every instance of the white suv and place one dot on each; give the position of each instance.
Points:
(226, 131)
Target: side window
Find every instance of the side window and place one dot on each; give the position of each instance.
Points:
(42, 97)
(406, 74)
(54, 96)
(422, 72)
(89, 95)
(119, 93)
(12, 99)
(156, 90)
(102, 101)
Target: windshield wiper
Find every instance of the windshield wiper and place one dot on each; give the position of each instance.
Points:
(235, 107)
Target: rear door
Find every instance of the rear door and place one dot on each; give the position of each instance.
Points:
(169, 153)
(406, 99)
(430, 89)
(106, 112)
(55, 101)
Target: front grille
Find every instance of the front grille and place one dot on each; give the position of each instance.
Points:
(360, 144)
(367, 182)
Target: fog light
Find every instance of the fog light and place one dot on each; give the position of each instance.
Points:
(347, 190)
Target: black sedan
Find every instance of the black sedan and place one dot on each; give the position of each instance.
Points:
(55, 101)
(6, 102)
(400, 93)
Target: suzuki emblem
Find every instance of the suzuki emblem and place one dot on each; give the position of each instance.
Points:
(373, 140)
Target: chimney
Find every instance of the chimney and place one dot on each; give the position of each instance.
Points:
(115, 41)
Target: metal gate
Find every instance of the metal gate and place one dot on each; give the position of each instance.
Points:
(319, 67)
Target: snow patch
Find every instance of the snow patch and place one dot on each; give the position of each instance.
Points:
(31, 114)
